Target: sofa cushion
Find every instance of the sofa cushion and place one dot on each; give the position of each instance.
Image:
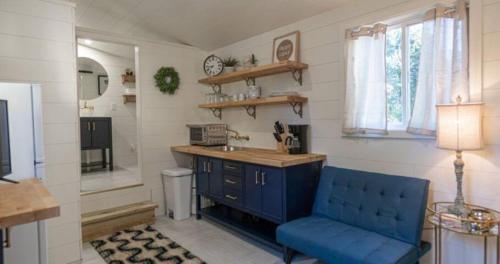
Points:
(335, 242)
(393, 206)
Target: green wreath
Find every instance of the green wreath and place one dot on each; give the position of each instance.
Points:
(167, 80)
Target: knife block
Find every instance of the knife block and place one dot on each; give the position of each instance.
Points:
(280, 146)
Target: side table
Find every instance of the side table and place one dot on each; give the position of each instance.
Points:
(439, 216)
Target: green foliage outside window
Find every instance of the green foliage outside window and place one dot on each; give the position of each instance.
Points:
(398, 107)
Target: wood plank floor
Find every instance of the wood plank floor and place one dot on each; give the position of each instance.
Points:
(210, 242)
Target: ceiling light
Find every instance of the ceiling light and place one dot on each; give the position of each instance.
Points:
(87, 41)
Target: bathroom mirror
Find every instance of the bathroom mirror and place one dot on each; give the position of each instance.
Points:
(108, 124)
(93, 78)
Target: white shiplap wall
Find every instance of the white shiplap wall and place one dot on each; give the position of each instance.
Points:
(323, 49)
(37, 45)
(161, 118)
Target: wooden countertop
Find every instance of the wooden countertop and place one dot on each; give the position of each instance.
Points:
(259, 156)
(25, 202)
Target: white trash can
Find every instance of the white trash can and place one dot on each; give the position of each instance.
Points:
(178, 192)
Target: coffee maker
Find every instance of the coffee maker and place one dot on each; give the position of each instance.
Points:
(297, 139)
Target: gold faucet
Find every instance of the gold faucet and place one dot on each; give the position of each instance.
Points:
(237, 135)
(87, 107)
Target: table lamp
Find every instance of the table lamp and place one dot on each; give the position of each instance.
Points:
(459, 127)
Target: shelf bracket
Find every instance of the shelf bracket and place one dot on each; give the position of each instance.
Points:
(250, 81)
(297, 76)
(297, 108)
(251, 110)
(216, 88)
(217, 112)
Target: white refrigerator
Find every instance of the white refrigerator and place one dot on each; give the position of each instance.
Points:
(27, 242)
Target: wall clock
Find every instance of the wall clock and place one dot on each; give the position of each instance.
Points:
(213, 65)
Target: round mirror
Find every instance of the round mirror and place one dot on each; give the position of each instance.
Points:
(93, 78)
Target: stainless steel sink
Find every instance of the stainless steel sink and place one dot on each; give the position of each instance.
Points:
(225, 148)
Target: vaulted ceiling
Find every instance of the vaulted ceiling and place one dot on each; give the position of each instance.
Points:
(207, 24)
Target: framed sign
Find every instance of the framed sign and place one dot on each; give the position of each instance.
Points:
(286, 47)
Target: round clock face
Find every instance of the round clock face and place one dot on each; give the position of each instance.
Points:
(213, 65)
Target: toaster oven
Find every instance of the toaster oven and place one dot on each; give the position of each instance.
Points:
(208, 134)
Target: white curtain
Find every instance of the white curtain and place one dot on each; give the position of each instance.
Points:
(365, 104)
(443, 70)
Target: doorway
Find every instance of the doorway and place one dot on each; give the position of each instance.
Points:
(108, 116)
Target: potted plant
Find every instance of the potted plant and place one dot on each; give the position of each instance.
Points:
(250, 61)
(230, 63)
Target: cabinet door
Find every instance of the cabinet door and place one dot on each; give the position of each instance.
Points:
(252, 188)
(272, 192)
(216, 179)
(101, 133)
(201, 175)
(85, 133)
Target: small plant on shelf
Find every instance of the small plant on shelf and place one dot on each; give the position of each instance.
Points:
(250, 61)
(253, 60)
(230, 63)
(129, 72)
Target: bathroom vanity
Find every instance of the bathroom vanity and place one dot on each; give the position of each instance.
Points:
(252, 190)
(96, 133)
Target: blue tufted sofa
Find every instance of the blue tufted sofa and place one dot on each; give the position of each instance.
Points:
(361, 217)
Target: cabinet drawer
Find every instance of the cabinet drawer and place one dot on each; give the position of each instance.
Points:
(233, 168)
(233, 182)
(233, 197)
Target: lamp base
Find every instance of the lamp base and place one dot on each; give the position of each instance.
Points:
(459, 208)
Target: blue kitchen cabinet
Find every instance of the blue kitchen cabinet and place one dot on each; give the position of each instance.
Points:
(252, 187)
(202, 175)
(209, 177)
(263, 191)
(254, 199)
(215, 179)
(272, 193)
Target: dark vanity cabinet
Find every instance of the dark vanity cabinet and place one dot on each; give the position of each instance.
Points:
(96, 133)
(254, 199)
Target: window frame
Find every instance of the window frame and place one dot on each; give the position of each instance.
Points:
(475, 57)
(394, 134)
(404, 24)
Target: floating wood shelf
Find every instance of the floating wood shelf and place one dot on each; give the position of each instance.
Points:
(249, 75)
(128, 78)
(129, 98)
(294, 101)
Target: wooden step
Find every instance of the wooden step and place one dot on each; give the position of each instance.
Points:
(104, 222)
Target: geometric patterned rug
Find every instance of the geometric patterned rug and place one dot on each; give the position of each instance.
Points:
(142, 244)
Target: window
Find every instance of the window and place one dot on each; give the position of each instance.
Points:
(396, 74)
(403, 44)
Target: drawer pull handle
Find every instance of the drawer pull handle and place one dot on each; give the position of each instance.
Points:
(93, 126)
(209, 167)
(263, 176)
(234, 198)
(230, 181)
(204, 166)
(88, 126)
(257, 177)
(231, 167)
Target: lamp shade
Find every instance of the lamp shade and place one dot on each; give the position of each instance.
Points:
(459, 126)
